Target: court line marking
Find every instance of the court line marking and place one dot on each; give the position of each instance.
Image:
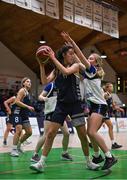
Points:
(103, 175)
(54, 165)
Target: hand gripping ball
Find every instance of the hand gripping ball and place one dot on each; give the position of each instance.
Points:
(40, 54)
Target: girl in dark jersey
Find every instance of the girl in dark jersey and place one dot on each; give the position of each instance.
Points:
(21, 116)
(49, 96)
(108, 89)
(68, 102)
(9, 121)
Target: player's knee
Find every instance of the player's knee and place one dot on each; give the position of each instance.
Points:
(50, 135)
(90, 133)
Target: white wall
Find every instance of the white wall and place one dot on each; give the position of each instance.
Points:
(11, 65)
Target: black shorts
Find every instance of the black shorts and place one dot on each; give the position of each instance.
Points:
(19, 120)
(97, 108)
(75, 111)
(106, 117)
(48, 117)
(9, 119)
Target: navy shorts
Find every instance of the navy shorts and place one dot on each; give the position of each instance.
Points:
(97, 108)
(19, 120)
(75, 111)
(9, 119)
(106, 117)
(48, 117)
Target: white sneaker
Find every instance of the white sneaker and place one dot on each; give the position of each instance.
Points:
(14, 153)
(39, 167)
(92, 166)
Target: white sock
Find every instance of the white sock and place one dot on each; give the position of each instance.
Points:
(19, 144)
(43, 159)
(96, 154)
(64, 152)
(87, 158)
(113, 141)
(108, 154)
(15, 147)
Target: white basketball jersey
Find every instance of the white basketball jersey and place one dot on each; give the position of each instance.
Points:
(93, 89)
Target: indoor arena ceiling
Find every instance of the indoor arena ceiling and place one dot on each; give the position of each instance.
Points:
(21, 30)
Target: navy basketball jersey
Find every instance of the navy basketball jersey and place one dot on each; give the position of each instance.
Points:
(23, 112)
(68, 88)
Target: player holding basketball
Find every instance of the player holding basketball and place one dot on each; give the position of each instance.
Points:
(68, 102)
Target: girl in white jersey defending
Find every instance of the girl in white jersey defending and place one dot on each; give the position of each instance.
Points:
(95, 98)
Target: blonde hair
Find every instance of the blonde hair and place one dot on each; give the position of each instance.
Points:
(100, 71)
(104, 88)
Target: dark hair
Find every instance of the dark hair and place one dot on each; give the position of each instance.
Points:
(107, 85)
(61, 51)
(23, 80)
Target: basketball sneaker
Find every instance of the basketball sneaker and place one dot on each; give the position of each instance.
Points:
(98, 159)
(116, 146)
(14, 153)
(35, 158)
(109, 162)
(66, 156)
(92, 166)
(38, 167)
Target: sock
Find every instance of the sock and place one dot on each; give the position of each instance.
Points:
(15, 147)
(96, 154)
(19, 145)
(108, 154)
(43, 159)
(87, 158)
(113, 141)
(64, 152)
(35, 153)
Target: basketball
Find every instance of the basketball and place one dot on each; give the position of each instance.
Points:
(40, 54)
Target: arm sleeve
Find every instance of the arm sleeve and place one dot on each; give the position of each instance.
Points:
(89, 73)
(92, 70)
(48, 87)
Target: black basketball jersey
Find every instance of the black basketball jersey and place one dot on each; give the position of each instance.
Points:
(21, 111)
(68, 90)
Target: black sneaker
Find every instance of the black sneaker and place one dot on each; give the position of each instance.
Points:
(66, 156)
(98, 159)
(116, 146)
(5, 143)
(35, 158)
(109, 162)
